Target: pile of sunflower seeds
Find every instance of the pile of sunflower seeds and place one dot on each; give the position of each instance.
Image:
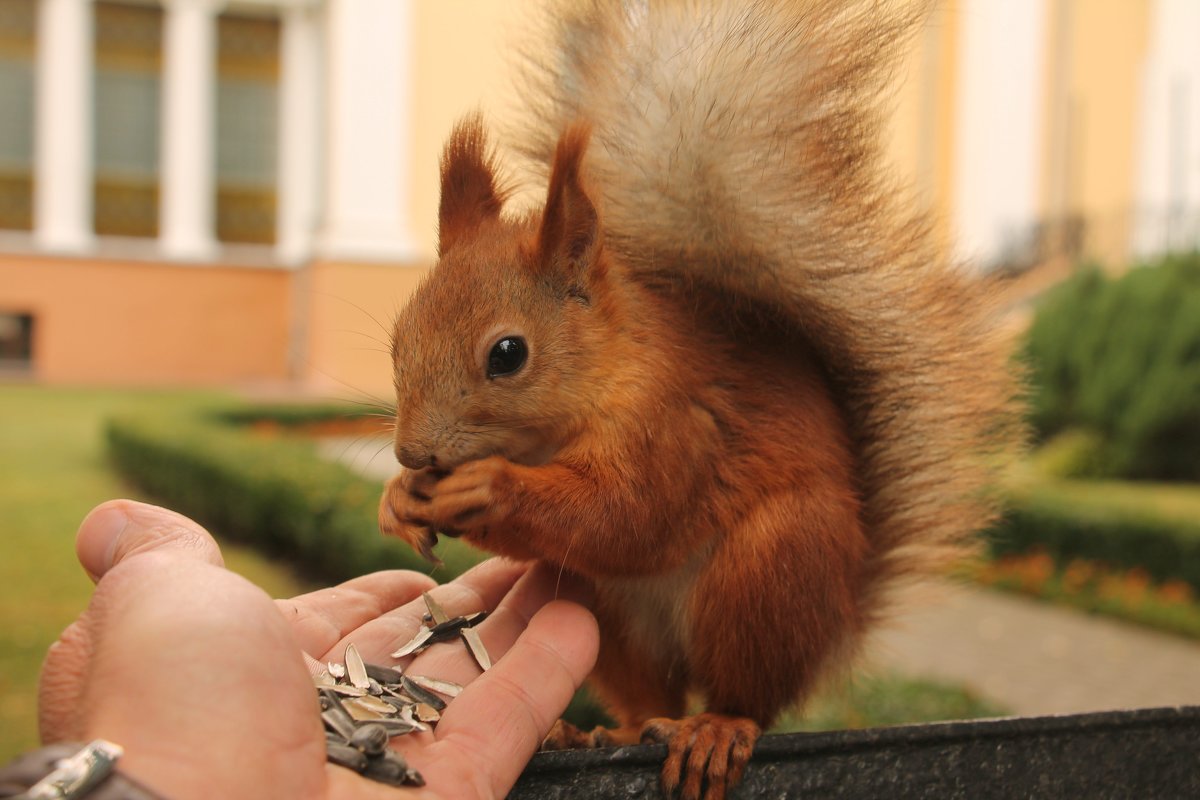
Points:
(364, 705)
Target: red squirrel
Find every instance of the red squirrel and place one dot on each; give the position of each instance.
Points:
(722, 372)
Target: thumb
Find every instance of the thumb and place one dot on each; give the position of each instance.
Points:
(112, 533)
(120, 529)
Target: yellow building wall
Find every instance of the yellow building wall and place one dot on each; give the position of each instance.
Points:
(461, 63)
(919, 141)
(348, 310)
(465, 57)
(1095, 53)
(148, 323)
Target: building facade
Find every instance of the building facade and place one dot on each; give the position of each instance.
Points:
(212, 192)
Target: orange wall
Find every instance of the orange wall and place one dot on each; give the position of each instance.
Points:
(105, 321)
(350, 310)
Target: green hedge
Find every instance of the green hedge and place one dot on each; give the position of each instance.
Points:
(1119, 359)
(273, 492)
(1166, 548)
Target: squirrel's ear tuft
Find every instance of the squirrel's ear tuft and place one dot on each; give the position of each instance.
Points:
(470, 192)
(570, 232)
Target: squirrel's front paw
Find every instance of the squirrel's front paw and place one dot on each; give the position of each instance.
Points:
(419, 504)
(403, 503)
(474, 495)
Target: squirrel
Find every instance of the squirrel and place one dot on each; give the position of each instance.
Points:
(722, 372)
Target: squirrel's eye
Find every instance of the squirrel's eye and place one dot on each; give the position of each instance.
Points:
(508, 355)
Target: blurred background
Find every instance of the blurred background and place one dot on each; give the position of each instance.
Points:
(205, 205)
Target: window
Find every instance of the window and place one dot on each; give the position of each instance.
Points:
(247, 125)
(17, 21)
(16, 342)
(128, 64)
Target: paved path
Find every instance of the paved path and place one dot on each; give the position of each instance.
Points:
(1030, 657)
(1035, 658)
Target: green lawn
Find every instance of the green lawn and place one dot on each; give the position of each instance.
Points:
(52, 471)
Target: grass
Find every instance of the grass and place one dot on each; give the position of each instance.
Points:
(872, 701)
(52, 472)
(864, 701)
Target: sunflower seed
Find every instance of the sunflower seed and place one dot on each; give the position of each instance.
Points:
(447, 628)
(395, 727)
(346, 756)
(337, 670)
(335, 715)
(346, 690)
(384, 675)
(371, 738)
(422, 695)
(447, 688)
(398, 701)
(392, 769)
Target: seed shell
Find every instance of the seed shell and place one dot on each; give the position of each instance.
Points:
(426, 713)
(475, 645)
(356, 670)
(436, 612)
(414, 644)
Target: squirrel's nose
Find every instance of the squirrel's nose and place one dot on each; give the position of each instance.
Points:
(414, 456)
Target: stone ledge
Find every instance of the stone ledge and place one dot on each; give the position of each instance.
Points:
(1146, 753)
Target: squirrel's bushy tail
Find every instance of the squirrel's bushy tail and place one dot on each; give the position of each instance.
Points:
(738, 142)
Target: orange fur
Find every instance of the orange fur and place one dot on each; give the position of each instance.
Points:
(753, 397)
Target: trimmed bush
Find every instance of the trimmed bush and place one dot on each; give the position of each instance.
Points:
(1120, 360)
(1167, 549)
(273, 492)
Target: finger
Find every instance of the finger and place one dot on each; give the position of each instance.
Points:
(110, 534)
(119, 529)
(504, 625)
(181, 640)
(481, 587)
(320, 619)
(495, 726)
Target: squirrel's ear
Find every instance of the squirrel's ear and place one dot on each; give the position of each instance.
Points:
(470, 193)
(570, 231)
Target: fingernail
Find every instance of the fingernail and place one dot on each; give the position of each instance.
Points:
(97, 539)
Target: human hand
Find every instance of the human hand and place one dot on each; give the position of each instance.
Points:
(200, 677)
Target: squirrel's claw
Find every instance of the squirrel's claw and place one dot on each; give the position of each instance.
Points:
(706, 753)
(395, 518)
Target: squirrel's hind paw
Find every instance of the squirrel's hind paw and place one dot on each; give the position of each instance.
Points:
(706, 753)
(565, 736)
